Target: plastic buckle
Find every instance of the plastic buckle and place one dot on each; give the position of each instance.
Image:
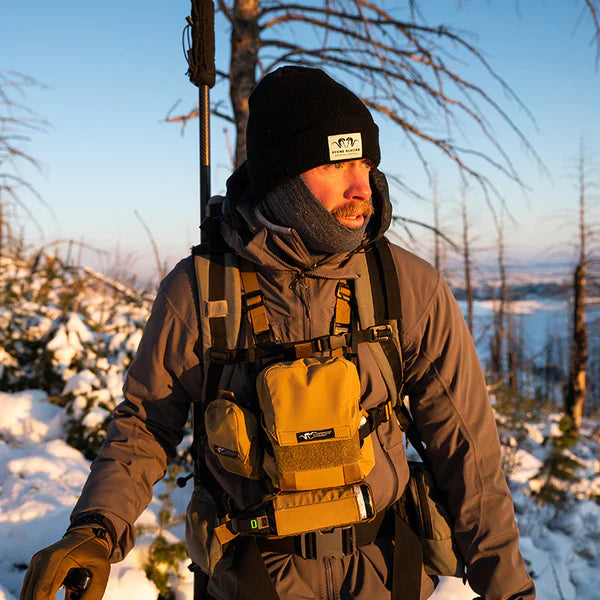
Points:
(258, 523)
(380, 414)
(222, 356)
(304, 349)
(336, 543)
(380, 333)
(252, 300)
(343, 292)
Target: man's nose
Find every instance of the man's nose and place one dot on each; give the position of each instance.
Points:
(358, 186)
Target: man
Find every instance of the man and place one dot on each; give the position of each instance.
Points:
(303, 212)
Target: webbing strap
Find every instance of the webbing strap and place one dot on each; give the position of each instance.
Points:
(343, 310)
(251, 571)
(385, 291)
(216, 291)
(408, 561)
(391, 288)
(253, 303)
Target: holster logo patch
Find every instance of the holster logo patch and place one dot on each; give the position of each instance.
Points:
(310, 436)
(225, 451)
(344, 146)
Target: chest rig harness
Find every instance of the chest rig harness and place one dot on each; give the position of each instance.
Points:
(310, 437)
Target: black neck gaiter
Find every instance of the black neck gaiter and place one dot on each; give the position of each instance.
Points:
(292, 204)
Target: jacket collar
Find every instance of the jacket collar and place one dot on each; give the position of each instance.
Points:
(251, 236)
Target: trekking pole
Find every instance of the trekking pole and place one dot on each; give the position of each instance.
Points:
(200, 55)
(199, 49)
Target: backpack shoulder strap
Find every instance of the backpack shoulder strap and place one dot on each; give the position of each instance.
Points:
(386, 307)
(220, 309)
(377, 294)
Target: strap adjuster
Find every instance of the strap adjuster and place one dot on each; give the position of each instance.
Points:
(222, 356)
(252, 299)
(380, 333)
(336, 543)
(374, 417)
(343, 291)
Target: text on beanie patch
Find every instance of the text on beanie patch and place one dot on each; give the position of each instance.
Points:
(344, 146)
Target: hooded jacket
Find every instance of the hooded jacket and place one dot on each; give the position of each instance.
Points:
(443, 379)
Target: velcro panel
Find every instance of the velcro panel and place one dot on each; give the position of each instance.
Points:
(215, 308)
(320, 464)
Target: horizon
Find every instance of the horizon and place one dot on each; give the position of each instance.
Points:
(111, 81)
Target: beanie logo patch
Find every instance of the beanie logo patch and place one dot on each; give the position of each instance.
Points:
(344, 146)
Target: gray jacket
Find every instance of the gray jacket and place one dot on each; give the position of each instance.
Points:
(443, 379)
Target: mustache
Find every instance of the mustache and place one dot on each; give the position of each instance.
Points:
(353, 208)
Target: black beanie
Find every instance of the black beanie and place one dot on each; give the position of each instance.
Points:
(300, 118)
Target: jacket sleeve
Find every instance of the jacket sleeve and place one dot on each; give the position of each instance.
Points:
(148, 425)
(450, 405)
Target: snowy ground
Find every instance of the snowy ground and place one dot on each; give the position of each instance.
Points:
(40, 477)
(60, 320)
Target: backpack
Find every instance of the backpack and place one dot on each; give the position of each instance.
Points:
(227, 292)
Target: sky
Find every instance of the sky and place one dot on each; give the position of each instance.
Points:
(113, 70)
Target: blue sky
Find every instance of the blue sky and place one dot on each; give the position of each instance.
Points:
(113, 70)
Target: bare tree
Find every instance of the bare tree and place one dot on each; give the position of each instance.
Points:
(17, 122)
(498, 337)
(575, 390)
(437, 240)
(467, 261)
(414, 75)
(514, 362)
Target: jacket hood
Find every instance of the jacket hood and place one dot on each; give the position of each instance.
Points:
(244, 226)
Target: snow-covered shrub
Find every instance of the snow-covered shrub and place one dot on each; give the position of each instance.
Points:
(166, 554)
(72, 333)
(555, 483)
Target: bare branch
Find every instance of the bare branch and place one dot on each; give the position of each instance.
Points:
(414, 74)
(427, 226)
(16, 121)
(160, 268)
(593, 7)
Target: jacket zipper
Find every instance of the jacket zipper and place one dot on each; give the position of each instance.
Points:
(301, 290)
(329, 587)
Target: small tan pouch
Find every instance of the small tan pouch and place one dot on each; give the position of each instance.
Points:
(202, 544)
(429, 520)
(311, 413)
(298, 512)
(232, 433)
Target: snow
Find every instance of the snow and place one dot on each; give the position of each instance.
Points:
(40, 478)
(41, 475)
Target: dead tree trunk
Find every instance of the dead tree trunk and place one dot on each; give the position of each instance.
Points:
(512, 356)
(497, 343)
(576, 385)
(436, 227)
(467, 262)
(242, 73)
